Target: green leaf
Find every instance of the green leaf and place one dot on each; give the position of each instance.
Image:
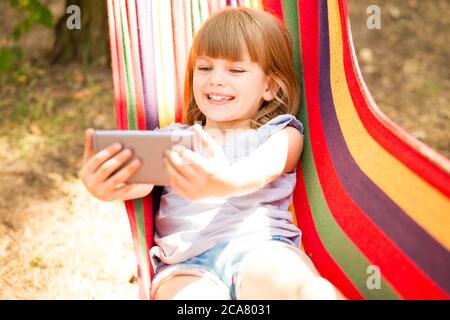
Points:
(17, 52)
(39, 13)
(35, 262)
(16, 33)
(6, 58)
(45, 18)
(14, 3)
(24, 3)
(21, 28)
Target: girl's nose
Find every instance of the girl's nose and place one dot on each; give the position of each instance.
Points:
(217, 78)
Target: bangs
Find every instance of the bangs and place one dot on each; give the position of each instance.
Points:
(229, 36)
(232, 34)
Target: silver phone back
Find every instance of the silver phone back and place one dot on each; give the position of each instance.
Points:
(148, 146)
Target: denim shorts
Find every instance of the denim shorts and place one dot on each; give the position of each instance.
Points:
(223, 263)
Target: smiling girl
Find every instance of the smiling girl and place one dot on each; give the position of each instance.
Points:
(223, 228)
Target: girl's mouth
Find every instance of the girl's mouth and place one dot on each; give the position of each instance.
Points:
(219, 98)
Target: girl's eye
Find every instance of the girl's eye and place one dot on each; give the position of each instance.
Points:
(232, 70)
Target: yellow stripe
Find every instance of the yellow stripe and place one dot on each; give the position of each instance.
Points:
(292, 210)
(424, 204)
(257, 4)
(294, 221)
(164, 61)
(157, 50)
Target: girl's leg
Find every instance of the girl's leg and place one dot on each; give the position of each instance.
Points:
(278, 272)
(189, 287)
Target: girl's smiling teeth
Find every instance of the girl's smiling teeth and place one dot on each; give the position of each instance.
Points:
(216, 97)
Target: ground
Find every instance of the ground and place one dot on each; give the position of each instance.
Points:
(58, 242)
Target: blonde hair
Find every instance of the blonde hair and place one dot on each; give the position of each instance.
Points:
(268, 43)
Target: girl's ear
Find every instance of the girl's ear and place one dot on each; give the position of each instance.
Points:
(271, 90)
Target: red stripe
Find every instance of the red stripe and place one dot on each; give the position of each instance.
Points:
(148, 222)
(121, 114)
(373, 243)
(314, 247)
(382, 134)
(114, 59)
(274, 7)
(178, 41)
(210, 6)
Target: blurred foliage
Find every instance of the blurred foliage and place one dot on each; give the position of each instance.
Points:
(35, 13)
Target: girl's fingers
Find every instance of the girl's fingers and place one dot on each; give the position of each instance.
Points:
(88, 147)
(176, 178)
(100, 157)
(124, 174)
(195, 164)
(191, 158)
(192, 170)
(207, 141)
(190, 165)
(110, 166)
(175, 160)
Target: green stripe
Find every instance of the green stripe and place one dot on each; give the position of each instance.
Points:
(203, 10)
(129, 86)
(140, 222)
(192, 16)
(290, 14)
(338, 245)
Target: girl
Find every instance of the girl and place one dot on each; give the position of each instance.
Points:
(223, 229)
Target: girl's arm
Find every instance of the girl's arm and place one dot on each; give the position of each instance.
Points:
(195, 177)
(279, 154)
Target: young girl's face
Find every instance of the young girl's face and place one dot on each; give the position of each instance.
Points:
(229, 91)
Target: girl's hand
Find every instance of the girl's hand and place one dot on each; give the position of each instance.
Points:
(99, 172)
(195, 177)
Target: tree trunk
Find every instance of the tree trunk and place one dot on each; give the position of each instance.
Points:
(90, 43)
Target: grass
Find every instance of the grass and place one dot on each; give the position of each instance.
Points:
(44, 112)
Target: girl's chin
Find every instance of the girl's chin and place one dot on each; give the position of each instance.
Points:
(217, 118)
(216, 114)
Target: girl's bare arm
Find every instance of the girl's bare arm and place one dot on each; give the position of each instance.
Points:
(279, 154)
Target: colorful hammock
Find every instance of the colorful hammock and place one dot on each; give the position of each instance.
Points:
(370, 198)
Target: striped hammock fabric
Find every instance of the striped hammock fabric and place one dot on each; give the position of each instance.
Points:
(373, 202)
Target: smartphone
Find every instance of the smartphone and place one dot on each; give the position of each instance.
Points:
(148, 146)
